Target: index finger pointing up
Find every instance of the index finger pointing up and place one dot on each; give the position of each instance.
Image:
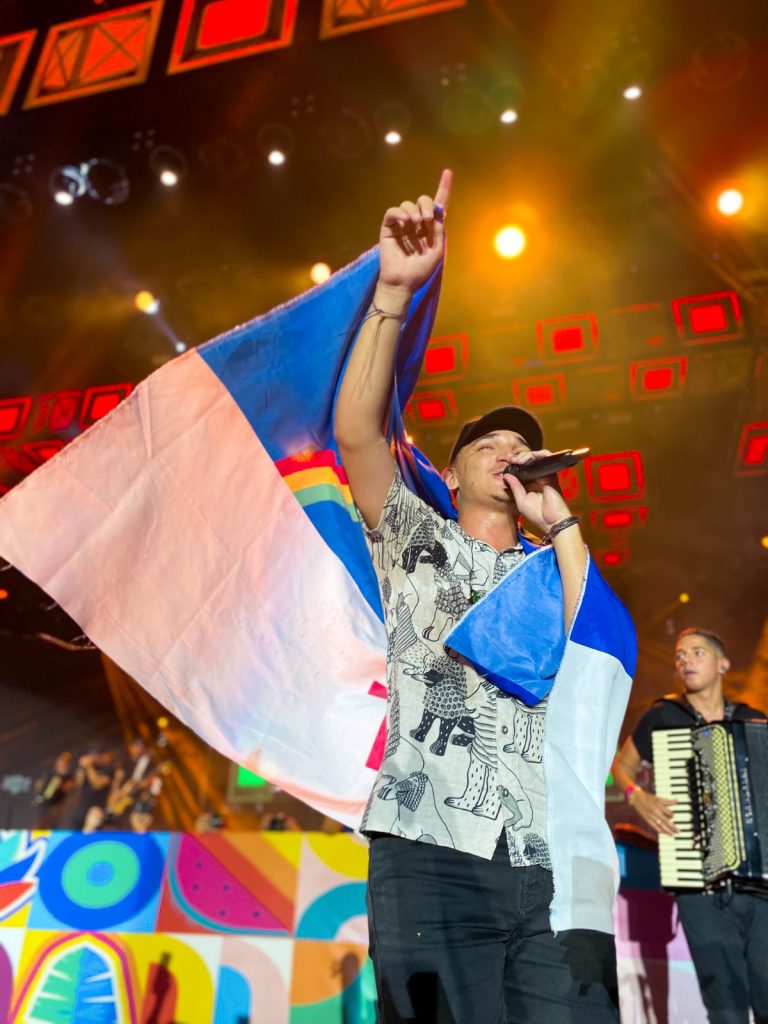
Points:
(444, 190)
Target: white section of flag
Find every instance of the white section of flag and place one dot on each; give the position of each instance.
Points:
(185, 558)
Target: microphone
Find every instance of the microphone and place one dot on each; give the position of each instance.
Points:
(547, 465)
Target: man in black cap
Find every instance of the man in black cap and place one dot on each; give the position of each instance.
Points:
(460, 878)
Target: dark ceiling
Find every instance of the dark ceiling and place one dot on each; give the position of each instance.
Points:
(616, 198)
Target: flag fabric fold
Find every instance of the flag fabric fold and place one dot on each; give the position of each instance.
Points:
(204, 536)
(586, 677)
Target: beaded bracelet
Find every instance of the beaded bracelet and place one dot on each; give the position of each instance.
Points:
(628, 792)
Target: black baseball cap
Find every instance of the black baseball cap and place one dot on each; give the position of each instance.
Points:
(506, 417)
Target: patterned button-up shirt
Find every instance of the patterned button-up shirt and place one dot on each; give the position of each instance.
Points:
(463, 759)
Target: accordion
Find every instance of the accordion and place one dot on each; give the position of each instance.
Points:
(718, 774)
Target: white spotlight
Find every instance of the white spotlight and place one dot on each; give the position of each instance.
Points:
(730, 201)
(633, 92)
(392, 138)
(67, 184)
(276, 157)
(508, 116)
(169, 178)
(180, 346)
(319, 273)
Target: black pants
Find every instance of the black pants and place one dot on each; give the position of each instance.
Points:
(456, 939)
(727, 935)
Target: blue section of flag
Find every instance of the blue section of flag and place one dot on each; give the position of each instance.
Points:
(284, 369)
(604, 624)
(515, 636)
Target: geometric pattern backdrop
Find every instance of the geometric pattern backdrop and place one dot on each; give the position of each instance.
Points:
(228, 928)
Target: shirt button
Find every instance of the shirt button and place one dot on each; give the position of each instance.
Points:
(504, 729)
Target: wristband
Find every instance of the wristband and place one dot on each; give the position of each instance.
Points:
(630, 790)
(559, 527)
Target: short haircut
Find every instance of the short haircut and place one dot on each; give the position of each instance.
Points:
(714, 640)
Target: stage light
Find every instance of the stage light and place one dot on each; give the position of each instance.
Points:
(633, 92)
(510, 242)
(319, 273)
(684, 598)
(508, 116)
(409, 439)
(169, 164)
(764, 541)
(3, 594)
(162, 723)
(146, 302)
(730, 201)
(180, 346)
(393, 138)
(276, 143)
(106, 181)
(67, 184)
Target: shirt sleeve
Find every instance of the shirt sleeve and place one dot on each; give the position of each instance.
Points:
(403, 513)
(641, 734)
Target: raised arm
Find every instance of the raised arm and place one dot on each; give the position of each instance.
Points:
(412, 242)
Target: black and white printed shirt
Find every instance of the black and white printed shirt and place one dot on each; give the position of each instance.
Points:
(463, 759)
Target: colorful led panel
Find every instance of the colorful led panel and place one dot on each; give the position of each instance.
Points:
(702, 319)
(107, 51)
(569, 338)
(437, 407)
(752, 455)
(341, 16)
(212, 31)
(447, 357)
(658, 378)
(14, 51)
(615, 477)
(98, 401)
(544, 391)
(14, 413)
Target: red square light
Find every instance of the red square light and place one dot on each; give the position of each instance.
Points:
(546, 390)
(98, 401)
(433, 405)
(570, 483)
(705, 319)
(42, 451)
(568, 337)
(440, 360)
(615, 477)
(752, 456)
(540, 394)
(447, 355)
(701, 319)
(613, 558)
(658, 378)
(618, 518)
(14, 413)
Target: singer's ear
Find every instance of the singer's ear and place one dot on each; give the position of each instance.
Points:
(451, 483)
(724, 666)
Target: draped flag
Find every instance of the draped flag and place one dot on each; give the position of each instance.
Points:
(515, 637)
(203, 536)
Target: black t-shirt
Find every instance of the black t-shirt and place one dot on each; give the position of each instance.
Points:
(674, 712)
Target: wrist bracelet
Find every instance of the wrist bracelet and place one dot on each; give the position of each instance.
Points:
(632, 788)
(375, 311)
(559, 527)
